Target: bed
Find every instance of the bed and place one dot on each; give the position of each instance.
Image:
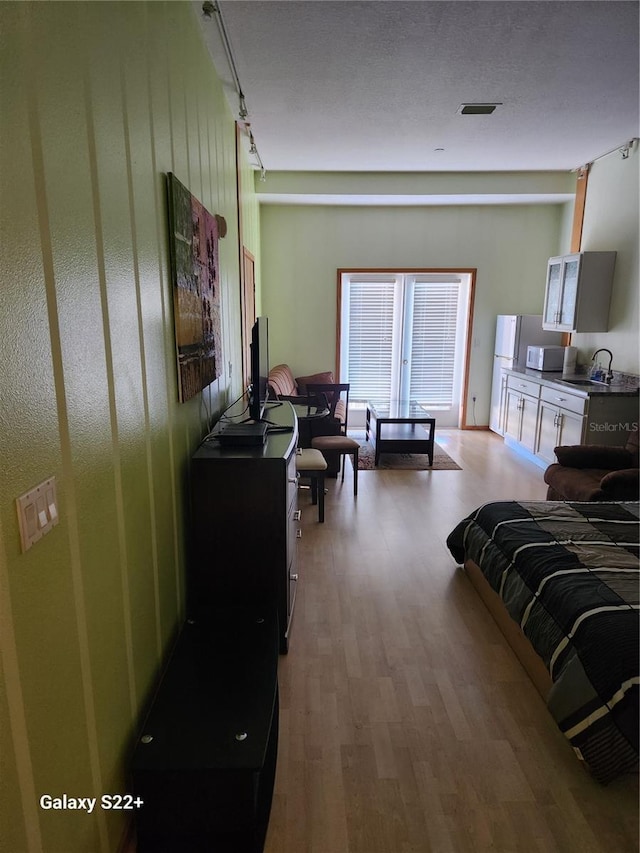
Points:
(562, 580)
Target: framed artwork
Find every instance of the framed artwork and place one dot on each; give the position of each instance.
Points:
(195, 271)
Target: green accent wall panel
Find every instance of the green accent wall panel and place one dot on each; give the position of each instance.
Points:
(99, 102)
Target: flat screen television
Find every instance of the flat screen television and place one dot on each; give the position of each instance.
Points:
(258, 390)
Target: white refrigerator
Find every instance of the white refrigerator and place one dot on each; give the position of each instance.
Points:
(514, 333)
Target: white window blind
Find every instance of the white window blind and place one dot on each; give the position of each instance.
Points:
(370, 321)
(431, 350)
(400, 337)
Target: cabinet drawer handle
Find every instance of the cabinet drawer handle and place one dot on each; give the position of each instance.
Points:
(562, 399)
(297, 515)
(298, 534)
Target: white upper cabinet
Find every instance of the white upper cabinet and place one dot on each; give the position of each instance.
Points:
(578, 292)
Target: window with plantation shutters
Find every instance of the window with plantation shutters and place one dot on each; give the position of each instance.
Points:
(402, 337)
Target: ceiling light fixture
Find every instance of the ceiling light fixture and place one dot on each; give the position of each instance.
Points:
(209, 11)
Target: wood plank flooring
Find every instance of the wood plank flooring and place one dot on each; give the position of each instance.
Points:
(407, 724)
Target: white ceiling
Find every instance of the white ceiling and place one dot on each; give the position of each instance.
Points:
(377, 86)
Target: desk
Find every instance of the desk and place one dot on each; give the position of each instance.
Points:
(395, 428)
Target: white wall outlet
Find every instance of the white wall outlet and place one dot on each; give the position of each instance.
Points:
(37, 512)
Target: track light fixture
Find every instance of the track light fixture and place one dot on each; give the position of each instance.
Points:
(623, 150)
(209, 11)
(257, 163)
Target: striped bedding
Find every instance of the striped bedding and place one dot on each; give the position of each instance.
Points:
(568, 573)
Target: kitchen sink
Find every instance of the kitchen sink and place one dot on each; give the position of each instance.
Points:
(583, 382)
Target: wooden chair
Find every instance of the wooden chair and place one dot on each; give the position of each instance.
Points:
(333, 396)
(335, 444)
(340, 445)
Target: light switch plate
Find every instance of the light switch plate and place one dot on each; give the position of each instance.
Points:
(37, 512)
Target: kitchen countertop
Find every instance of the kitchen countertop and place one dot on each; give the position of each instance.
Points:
(623, 385)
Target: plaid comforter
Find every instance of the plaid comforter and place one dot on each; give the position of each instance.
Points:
(568, 573)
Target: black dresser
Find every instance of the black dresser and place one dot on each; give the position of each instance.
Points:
(245, 524)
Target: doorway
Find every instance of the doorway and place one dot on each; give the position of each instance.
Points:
(403, 335)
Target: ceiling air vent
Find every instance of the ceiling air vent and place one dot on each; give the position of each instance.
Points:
(477, 109)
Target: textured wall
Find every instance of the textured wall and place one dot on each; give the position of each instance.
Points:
(99, 100)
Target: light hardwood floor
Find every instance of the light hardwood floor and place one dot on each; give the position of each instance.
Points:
(407, 724)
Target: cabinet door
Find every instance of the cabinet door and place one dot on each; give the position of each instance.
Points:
(498, 397)
(513, 417)
(503, 401)
(547, 432)
(569, 300)
(553, 294)
(528, 423)
(569, 427)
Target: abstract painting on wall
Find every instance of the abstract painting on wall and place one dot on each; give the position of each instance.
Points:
(195, 270)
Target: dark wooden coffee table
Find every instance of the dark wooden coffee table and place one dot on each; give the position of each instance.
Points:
(401, 426)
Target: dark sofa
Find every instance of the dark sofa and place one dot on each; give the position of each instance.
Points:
(595, 472)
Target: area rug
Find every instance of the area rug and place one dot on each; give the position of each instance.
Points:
(405, 461)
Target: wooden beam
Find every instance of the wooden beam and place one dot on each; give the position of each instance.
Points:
(578, 210)
(582, 179)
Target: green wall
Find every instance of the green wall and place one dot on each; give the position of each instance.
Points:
(509, 244)
(303, 246)
(99, 101)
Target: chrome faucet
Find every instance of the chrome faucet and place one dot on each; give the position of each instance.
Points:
(609, 374)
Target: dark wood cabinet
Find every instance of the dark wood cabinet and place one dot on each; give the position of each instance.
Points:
(204, 766)
(245, 524)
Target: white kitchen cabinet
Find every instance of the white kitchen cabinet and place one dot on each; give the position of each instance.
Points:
(541, 414)
(578, 292)
(522, 411)
(560, 421)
